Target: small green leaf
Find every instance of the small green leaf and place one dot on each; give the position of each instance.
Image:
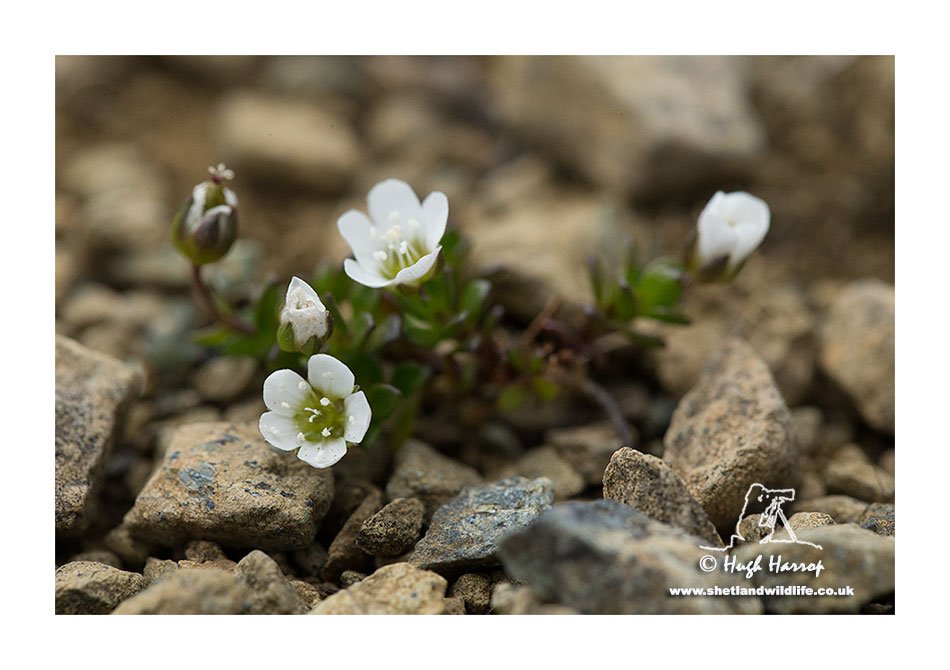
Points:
(510, 398)
(409, 377)
(660, 287)
(473, 298)
(383, 401)
(545, 388)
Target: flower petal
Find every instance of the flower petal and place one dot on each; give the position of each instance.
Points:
(752, 219)
(417, 270)
(361, 275)
(299, 287)
(393, 195)
(279, 431)
(283, 386)
(358, 415)
(357, 229)
(322, 454)
(330, 376)
(435, 209)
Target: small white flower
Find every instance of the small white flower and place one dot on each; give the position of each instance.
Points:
(299, 419)
(731, 226)
(304, 320)
(399, 242)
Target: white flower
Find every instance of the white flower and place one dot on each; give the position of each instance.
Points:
(304, 321)
(731, 225)
(399, 242)
(318, 415)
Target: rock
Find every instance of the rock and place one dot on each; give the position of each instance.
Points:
(850, 473)
(587, 448)
(274, 593)
(850, 556)
(806, 428)
(465, 532)
(308, 593)
(394, 529)
(878, 518)
(310, 560)
(422, 472)
(604, 557)
(92, 393)
(843, 509)
(350, 494)
(86, 587)
(510, 598)
(283, 140)
(210, 591)
(204, 554)
(538, 249)
(131, 550)
(98, 556)
(730, 431)
(224, 378)
(547, 462)
(475, 591)
(156, 569)
(804, 520)
(777, 319)
(857, 349)
(644, 125)
(222, 482)
(350, 577)
(648, 484)
(125, 203)
(344, 552)
(399, 588)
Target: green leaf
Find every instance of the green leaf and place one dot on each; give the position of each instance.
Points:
(474, 295)
(364, 298)
(545, 388)
(510, 398)
(385, 332)
(660, 287)
(454, 247)
(365, 367)
(383, 401)
(409, 377)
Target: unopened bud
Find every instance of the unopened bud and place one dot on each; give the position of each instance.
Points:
(730, 227)
(206, 226)
(305, 323)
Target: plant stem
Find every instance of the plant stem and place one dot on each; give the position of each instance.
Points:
(602, 397)
(206, 294)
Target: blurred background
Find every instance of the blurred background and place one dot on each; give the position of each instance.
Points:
(545, 160)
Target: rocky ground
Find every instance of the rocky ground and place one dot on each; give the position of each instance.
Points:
(169, 501)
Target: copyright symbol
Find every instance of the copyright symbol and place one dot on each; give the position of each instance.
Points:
(707, 563)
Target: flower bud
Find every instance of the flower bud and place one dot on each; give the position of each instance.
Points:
(730, 228)
(304, 321)
(206, 226)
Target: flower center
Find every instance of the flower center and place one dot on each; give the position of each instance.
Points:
(398, 247)
(320, 418)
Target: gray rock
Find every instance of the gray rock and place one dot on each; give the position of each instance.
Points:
(204, 554)
(222, 482)
(310, 559)
(98, 556)
(280, 139)
(274, 593)
(850, 556)
(92, 393)
(843, 509)
(507, 598)
(399, 588)
(804, 520)
(394, 529)
(475, 591)
(879, 518)
(422, 472)
(156, 569)
(307, 592)
(209, 591)
(344, 552)
(851, 474)
(85, 587)
(587, 448)
(731, 431)
(857, 349)
(604, 557)
(647, 484)
(547, 462)
(635, 124)
(465, 532)
(224, 378)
